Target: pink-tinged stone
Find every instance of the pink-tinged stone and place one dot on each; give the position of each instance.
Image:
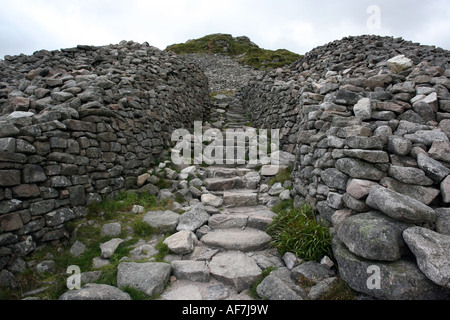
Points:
(359, 188)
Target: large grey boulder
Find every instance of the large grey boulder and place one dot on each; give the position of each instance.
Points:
(312, 271)
(399, 206)
(359, 169)
(211, 200)
(150, 278)
(111, 229)
(333, 178)
(190, 270)
(435, 170)
(182, 242)
(398, 280)
(400, 63)
(164, 220)
(193, 219)
(92, 291)
(443, 221)
(274, 288)
(432, 251)
(410, 175)
(374, 236)
(235, 268)
(426, 195)
(427, 137)
(108, 248)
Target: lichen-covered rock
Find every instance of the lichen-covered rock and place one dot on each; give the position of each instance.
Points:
(399, 207)
(432, 251)
(373, 236)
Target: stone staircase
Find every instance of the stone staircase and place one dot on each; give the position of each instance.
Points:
(233, 244)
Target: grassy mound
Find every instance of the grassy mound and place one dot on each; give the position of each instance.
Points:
(240, 48)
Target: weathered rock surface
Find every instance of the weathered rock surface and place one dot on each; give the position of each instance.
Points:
(193, 219)
(399, 207)
(373, 236)
(165, 220)
(93, 291)
(181, 242)
(399, 280)
(432, 251)
(237, 239)
(235, 268)
(149, 278)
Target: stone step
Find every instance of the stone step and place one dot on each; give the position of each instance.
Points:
(240, 198)
(221, 184)
(244, 217)
(236, 269)
(246, 240)
(223, 172)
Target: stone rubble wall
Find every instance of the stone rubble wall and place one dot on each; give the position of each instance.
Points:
(80, 124)
(370, 129)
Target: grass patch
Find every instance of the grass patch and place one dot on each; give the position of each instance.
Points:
(143, 229)
(163, 250)
(136, 294)
(283, 175)
(88, 232)
(241, 48)
(298, 231)
(340, 290)
(110, 208)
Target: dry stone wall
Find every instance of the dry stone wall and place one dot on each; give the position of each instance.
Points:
(82, 123)
(368, 119)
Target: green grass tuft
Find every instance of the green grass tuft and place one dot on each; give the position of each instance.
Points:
(298, 231)
(283, 175)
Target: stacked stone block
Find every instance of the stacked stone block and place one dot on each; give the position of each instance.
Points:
(81, 124)
(371, 136)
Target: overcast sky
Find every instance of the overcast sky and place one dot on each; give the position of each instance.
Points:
(298, 25)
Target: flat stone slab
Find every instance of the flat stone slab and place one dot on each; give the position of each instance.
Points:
(235, 268)
(149, 278)
(165, 220)
(190, 270)
(399, 207)
(240, 198)
(262, 211)
(182, 242)
(237, 239)
(188, 292)
(228, 221)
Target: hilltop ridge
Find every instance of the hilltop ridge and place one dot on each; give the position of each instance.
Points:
(242, 48)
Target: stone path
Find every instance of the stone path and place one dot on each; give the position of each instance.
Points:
(219, 247)
(234, 249)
